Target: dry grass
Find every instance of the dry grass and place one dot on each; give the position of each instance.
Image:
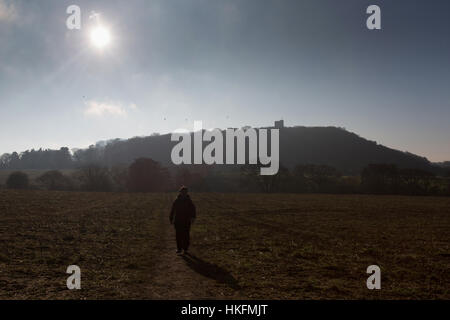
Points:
(265, 246)
(112, 237)
(319, 246)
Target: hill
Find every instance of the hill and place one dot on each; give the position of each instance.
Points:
(331, 146)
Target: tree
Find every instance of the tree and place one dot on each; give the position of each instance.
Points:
(88, 156)
(55, 180)
(380, 178)
(194, 178)
(316, 178)
(63, 158)
(415, 181)
(147, 175)
(251, 177)
(94, 178)
(17, 180)
(5, 160)
(119, 176)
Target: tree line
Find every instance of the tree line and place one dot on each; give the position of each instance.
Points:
(147, 175)
(37, 159)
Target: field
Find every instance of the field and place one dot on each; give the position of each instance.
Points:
(250, 246)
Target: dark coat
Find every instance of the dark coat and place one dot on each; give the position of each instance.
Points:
(183, 211)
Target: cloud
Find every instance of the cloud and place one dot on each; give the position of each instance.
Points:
(100, 109)
(8, 12)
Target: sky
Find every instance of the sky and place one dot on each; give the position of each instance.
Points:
(228, 63)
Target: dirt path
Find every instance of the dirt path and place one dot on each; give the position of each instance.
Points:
(186, 276)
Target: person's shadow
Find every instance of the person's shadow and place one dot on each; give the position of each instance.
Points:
(210, 270)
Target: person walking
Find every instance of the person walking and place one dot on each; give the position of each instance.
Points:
(182, 215)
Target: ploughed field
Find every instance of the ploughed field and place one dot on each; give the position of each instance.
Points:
(251, 246)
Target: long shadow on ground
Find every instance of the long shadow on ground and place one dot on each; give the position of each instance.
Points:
(211, 271)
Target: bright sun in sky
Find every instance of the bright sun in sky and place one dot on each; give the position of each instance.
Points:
(100, 37)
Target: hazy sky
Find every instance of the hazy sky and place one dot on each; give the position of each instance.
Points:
(227, 63)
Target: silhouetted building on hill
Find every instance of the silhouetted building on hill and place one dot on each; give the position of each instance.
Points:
(279, 124)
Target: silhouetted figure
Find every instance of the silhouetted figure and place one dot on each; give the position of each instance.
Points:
(182, 216)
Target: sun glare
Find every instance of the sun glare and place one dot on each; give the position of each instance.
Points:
(100, 37)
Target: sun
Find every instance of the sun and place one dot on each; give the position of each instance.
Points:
(100, 37)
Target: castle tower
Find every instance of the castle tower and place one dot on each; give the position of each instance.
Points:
(279, 124)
